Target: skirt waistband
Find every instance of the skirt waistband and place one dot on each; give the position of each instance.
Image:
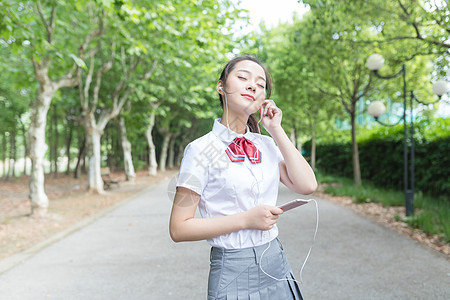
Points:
(250, 252)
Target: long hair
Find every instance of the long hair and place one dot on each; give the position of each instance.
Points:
(252, 123)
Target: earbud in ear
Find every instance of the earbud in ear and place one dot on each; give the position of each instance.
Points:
(221, 88)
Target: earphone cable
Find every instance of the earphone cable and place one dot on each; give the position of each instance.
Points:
(307, 256)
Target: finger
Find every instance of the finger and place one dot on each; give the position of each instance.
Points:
(264, 109)
(268, 108)
(275, 111)
(261, 110)
(267, 104)
(276, 210)
(273, 107)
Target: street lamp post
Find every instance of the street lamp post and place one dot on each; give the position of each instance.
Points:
(377, 108)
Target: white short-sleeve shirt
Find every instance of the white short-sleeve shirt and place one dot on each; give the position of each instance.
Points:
(228, 187)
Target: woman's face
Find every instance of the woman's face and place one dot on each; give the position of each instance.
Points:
(246, 87)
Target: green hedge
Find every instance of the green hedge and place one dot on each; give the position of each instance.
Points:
(381, 161)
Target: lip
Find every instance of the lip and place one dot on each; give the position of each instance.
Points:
(250, 97)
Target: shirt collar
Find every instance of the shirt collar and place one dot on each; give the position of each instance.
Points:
(228, 135)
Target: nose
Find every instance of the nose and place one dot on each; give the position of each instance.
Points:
(251, 86)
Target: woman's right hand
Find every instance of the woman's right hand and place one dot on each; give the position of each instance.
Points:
(262, 217)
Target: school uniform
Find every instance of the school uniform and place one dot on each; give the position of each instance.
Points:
(234, 173)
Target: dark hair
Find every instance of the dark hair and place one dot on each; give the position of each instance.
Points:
(252, 123)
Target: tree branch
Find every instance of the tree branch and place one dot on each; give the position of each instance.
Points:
(83, 102)
(122, 61)
(105, 68)
(94, 34)
(66, 81)
(49, 27)
(41, 70)
(150, 72)
(123, 99)
(89, 77)
(367, 88)
(346, 106)
(404, 8)
(327, 93)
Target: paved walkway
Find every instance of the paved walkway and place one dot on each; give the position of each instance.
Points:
(127, 254)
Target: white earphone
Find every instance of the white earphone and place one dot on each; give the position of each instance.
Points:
(226, 107)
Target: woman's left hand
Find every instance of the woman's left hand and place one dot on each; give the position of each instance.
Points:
(271, 115)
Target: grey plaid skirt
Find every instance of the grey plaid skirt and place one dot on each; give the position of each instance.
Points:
(235, 274)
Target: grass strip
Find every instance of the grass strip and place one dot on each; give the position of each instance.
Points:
(432, 214)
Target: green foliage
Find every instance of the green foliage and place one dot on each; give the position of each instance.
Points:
(183, 43)
(312, 60)
(138, 164)
(365, 194)
(381, 158)
(406, 29)
(432, 216)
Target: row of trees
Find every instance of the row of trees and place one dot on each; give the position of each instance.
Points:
(318, 61)
(78, 70)
(153, 58)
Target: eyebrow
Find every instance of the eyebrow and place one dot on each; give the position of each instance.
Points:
(247, 71)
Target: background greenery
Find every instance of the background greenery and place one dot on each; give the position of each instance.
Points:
(317, 63)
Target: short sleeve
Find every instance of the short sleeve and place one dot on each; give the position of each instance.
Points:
(193, 171)
(279, 156)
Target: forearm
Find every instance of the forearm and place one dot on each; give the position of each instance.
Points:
(299, 171)
(196, 229)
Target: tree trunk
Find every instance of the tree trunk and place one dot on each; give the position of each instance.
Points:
(4, 155)
(94, 158)
(127, 157)
(313, 148)
(25, 154)
(171, 159)
(292, 137)
(180, 154)
(6, 160)
(13, 153)
(153, 165)
(38, 198)
(107, 139)
(355, 154)
(49, 138)
(55, 142)
(81, 157)
(162, 160)
(68, 144)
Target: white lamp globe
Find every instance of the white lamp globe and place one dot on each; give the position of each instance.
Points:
(441, 87)
(375, 62)
(376, 109)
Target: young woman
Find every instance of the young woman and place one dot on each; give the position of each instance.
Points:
(232, 175)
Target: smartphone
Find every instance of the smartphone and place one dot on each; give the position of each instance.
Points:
(293, 204)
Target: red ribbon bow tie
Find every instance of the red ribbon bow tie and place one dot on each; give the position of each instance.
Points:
(239, 146)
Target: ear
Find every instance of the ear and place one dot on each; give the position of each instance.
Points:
(219, 85)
